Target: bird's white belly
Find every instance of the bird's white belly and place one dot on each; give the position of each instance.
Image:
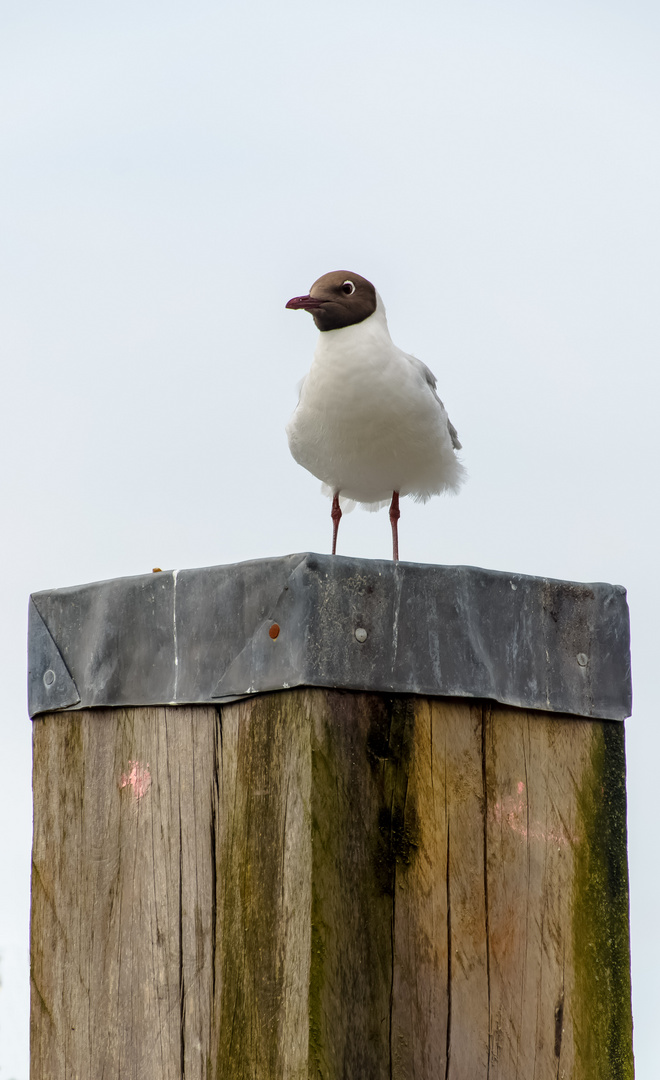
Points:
(367, 425)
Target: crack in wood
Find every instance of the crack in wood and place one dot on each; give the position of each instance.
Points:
(393, 955)
(485, 712)
(449, 946)
(559, 1028)
(182, 985)
(559, 1015)
(392, 925)
(213, 822)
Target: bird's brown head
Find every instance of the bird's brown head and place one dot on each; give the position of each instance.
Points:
(338, 299)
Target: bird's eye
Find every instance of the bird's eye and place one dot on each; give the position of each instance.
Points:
(348, 287)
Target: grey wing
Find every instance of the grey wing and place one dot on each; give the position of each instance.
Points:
(431, 380)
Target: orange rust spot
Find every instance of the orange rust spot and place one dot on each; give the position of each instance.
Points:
(156, 570)
(274, 631)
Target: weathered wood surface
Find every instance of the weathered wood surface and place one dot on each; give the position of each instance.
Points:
(321, 884)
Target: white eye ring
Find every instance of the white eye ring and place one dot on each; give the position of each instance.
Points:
(351, 287)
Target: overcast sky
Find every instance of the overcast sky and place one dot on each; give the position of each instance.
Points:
(172, 173)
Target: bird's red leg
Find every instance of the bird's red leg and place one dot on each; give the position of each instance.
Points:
(335, 514)
(395, 514)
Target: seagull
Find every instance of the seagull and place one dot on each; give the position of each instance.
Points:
(369, 423)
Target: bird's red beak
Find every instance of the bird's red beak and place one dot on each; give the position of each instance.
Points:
(307, 303)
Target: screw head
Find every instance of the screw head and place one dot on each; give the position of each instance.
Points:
(361, 634)
(49, 677)
(582, 659)
(274, 631)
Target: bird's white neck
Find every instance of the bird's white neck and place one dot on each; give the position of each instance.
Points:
(372, 332)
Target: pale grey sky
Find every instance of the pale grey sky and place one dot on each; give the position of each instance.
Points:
(171, 174)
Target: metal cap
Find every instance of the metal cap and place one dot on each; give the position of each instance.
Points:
(225, 632)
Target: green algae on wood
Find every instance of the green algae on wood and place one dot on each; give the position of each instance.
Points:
(601, 943)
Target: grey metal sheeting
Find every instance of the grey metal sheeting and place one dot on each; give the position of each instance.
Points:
(203, 636)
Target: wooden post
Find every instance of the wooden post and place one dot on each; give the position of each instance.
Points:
(322, 882)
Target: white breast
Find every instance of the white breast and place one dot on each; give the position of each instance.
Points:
(368, 422)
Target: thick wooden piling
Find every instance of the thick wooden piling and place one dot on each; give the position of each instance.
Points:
(325, 883)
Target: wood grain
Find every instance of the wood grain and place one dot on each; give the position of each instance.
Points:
(326, 884)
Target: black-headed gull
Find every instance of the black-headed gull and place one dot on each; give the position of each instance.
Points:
(369, 423)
